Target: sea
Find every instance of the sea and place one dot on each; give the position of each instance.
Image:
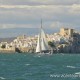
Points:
(26, 66)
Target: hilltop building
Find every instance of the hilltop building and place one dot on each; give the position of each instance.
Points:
(66, 32)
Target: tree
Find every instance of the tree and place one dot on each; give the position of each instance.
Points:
(3, 46)
(51, 44)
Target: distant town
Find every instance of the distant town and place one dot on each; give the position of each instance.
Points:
(65, 41)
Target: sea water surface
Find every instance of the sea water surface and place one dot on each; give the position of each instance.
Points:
(35, 67)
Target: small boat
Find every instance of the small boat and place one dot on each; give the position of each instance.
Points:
(42, 44)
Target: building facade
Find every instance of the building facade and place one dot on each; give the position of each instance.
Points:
(66, 32)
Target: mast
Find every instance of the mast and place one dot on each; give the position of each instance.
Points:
(41, 23)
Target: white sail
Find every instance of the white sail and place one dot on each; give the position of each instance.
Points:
(44, 43)
(38, 48)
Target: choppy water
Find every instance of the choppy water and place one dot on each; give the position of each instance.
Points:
(34, 67)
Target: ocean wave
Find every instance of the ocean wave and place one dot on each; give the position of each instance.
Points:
(27, 64)
(77, 73)
(37, 56)
(71, 67)
(4, 59)
(2, 78)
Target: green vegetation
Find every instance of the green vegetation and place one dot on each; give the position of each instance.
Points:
(51, 44)
(3, 46)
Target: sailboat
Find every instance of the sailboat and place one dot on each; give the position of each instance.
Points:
(42, 44)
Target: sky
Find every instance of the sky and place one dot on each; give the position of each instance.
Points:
(19, 17)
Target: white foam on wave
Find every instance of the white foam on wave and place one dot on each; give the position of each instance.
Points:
(71, 67)
(2, 78)
(37, 56)
(77, 73)
(27, 64)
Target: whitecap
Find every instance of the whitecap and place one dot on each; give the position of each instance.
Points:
(71, 67)
(2, 78)
(27, 64)
(77, 73)
(24, 55)
(38, 56)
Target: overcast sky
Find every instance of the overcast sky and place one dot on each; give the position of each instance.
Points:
(23, 16)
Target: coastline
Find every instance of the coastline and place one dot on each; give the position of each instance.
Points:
(65, 41)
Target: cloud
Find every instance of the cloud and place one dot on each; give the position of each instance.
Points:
(75, 8)
(22, 6)
(6, 26)
(39, 2)
(32, 14)
(27, 13)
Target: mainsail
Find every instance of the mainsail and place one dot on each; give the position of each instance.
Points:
(42, 44)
